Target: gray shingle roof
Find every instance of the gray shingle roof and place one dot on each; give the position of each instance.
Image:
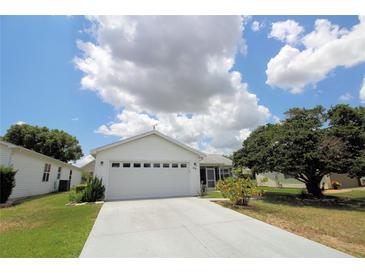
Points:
(216, 159)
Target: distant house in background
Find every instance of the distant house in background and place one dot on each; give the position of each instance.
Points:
(88, 167)
(345, 181)
(214, 167)
(37, 173)
(276, 179)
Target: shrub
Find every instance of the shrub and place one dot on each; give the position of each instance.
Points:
(76, 197)
(238, 190)
(7, 182)
(86, 177)
(203, 189)
(80, 188)
(91, 192)
(94, 191)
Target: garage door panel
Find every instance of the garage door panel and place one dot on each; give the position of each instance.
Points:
(131, 183)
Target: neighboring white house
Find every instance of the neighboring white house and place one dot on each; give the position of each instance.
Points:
(36, 173)
(276, 179)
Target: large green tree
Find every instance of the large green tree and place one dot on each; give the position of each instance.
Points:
(308, 144)
(54, 143)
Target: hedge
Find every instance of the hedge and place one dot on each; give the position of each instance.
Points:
(7, 182)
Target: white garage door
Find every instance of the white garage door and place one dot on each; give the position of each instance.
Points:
(147, 180)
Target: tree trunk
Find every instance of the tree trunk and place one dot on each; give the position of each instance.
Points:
(314, 188)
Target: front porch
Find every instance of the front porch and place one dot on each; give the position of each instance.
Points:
(210, 175)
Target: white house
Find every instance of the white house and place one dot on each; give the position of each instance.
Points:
(37, 173)
(149, 165)
(276, 179)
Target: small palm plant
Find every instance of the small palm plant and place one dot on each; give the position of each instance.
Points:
(94, 191)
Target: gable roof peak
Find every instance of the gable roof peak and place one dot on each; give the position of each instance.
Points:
(145, 134)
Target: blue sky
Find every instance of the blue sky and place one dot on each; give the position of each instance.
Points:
(41, 83)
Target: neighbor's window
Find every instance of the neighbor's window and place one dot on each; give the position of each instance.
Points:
(46, 171)
(126, 164)
(156, 165)
(115, 164)
(146, 165)
(70, 176)
(183, 165)
(174, 165)
(165, 165)
(137, 165)
(59, 173)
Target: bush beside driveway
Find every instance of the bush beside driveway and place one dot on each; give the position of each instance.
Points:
(45, 227)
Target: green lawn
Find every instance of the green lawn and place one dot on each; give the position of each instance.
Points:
(45, 227)
(353, 194)
(339, 224)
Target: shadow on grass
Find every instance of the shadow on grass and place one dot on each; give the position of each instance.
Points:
(327, 202)
(20, 201)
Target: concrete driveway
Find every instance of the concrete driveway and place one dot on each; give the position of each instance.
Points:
(190, 227)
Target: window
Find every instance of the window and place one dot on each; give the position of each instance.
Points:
(126, 165)
(115, 164)
(138, 165)
(183, 165)
(165, 165)
(70, 176)
(174, 165)
(46, 171)
(146, 165)
(59, 173)
(225, 172)
(156, 165)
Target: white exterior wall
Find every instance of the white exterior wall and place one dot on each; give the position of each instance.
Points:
(28, 179)
(4, 155)
(76, 177)
(150, 148)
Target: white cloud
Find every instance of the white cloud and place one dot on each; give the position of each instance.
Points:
(175, 71)
(75, 119)
(326, 48)
(256, 26)
(346, 96)
(20, 123)
(287, 31)
(362, 91)
(324, 32)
